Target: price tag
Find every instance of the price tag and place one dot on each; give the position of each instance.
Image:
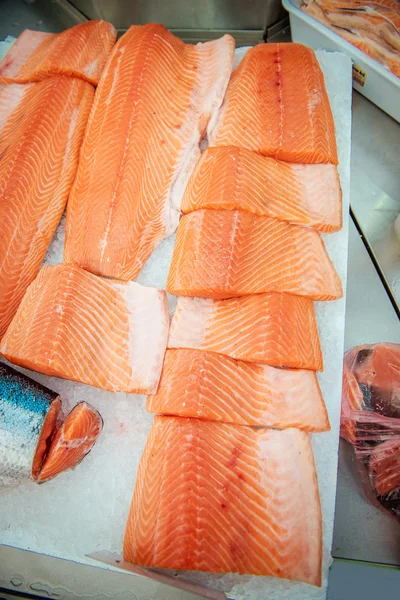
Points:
(359, 75)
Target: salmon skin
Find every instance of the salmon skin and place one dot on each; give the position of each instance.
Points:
(101, 332)
(151, 109)
(214, 387)
(42, 126)
(275, 329)
(276, 104)
(80, 51)
(221, 254)
(72, 442)
(226, 499)
(232, 178)
(28, 416)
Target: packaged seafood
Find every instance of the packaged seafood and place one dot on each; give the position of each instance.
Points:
(370, 419)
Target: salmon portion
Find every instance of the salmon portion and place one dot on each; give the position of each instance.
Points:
(226, 499)
(275, 329)
(276, 104)
(221, 254)
(151, 109)
(80, 51)
(42, 127)
(46, 435)
(73, 440)
(232, 178)
(378, 367)
(105, 333)
(384, 467)
(214, 387)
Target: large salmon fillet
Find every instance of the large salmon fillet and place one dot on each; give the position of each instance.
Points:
(214, 387)
(105, 333)
(42, 127)
(229, 178)
(276, 104)
(226, 498)
(80, 51)
(151, 109)
(275, 329)
(221, 254)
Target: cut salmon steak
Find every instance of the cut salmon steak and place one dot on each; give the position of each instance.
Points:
(276, 104)
(151, 109)
(221, 254)
(274, 329)
(80, 51)
(214, 387)
(226, 499)
(102, 332)
(229, 178)
(72, 441)
(42, 127)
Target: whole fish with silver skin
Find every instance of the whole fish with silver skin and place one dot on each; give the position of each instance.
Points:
(28, 417)
(31, 446)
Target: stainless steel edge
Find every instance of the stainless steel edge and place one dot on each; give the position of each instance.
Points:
(184, 14)
(375, 186)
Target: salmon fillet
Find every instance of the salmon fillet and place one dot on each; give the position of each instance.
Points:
(151, 109)
(232, 178)
(276, 104)
(221, 254)
(42, 127)
(80, 51)
(226, 498)
(275, 329)
(105, 333)
(214, 387)
(73, 440)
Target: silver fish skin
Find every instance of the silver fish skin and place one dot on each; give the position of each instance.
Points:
(24, 406)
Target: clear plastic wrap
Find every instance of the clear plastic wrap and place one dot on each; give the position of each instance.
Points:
(370, 419)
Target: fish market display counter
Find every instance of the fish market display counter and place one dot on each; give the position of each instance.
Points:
(361, 531)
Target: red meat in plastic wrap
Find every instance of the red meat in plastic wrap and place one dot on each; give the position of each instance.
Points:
(370, 419)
